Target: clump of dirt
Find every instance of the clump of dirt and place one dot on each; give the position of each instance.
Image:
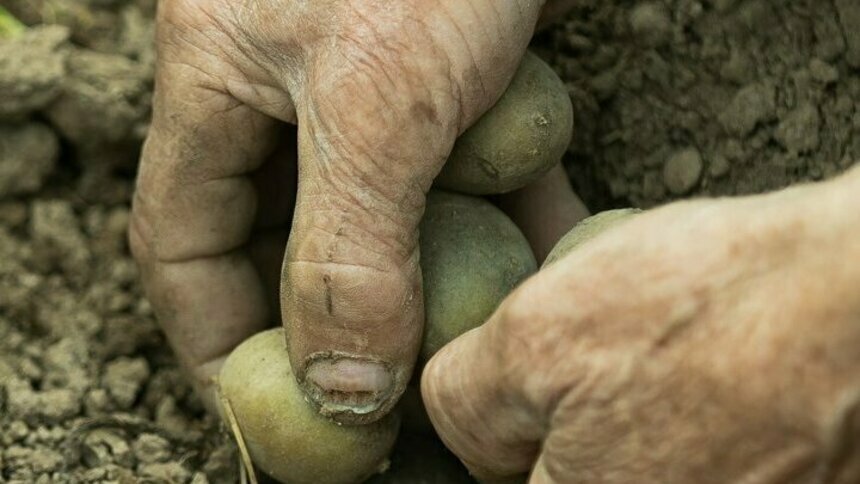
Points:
(32, 67)
(708, 97)
(90, 391)
(97, 99)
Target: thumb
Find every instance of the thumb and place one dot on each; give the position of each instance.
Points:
(371, 140)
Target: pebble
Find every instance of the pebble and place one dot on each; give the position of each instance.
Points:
(650, 23)
(165, 472)
(151, 448)
(682, 171)
(101, 447)
(123, 378)
(29, 153)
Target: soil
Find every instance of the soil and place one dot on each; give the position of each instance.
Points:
(673, 98)
(710, 98)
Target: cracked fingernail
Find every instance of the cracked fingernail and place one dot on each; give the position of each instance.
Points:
(347, 385)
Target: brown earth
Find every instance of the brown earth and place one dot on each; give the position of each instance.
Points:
(673, 98)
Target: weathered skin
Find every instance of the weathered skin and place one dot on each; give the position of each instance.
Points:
(379, 92)
(707, 342)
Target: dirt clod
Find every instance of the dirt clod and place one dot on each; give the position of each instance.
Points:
(123, 379)
(151, 448)
(29, 154)
(32, 67)
(103, 99)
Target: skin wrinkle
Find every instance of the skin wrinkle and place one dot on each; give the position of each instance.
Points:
(168, 252)
(381, 253)
(212, 41)
(195, 358)
(362, 242)
(479, 78)
(404, 300)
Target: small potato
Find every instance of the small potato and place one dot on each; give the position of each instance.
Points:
(286, 438)
(519, 139)
(472, 257)
(588, 229)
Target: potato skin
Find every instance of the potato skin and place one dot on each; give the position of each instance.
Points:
(286, 437)
(518, 140)
(472, 257)
(588, 229)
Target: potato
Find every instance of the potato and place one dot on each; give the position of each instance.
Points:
(588, 229)
(518, 140)
(285, 436)
(472, 257)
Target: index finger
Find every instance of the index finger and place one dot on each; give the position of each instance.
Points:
(194, 208)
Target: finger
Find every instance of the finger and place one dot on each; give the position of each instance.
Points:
(376, 123)
(194, 209)
(473, 412)
(544, 210)
(492, 392)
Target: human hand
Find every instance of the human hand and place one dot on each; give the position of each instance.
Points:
(379, 92)
(706, 341)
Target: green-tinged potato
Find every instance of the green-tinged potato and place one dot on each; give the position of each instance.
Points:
(518, 140)
(472, 257)
(588, 229)
(286, 438)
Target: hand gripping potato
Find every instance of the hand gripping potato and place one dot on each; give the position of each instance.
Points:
(518, 140)
(284, 435)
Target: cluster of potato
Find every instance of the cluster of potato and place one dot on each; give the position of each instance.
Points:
(472, 257)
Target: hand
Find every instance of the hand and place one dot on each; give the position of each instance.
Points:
(706, 341)
(379, 92)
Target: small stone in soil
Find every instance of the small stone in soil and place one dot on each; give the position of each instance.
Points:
(151, 448)
(29, 153)
(650, 23)
(799, 130)
(102, 447)
(682, 171)
(123, 379)
(31, 71)
(753, 104)
(164, 472)
(719, 166)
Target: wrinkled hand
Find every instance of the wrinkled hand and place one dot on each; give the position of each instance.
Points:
(706, 341)
(379, 92)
